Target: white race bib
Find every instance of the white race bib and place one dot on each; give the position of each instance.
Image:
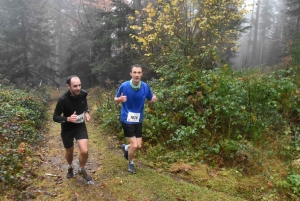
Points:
(80, 118)
(133, 117)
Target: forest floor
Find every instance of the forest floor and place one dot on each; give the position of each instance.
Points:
(108, 168)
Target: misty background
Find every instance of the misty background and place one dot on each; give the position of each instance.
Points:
(44, 41)
(272, 26)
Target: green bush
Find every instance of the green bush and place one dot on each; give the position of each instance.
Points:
(108, 111)
(227, 104)
(204, 109)
(294, 183)
(22, 117)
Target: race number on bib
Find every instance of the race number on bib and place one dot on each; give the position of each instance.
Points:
(133, 117)
(80, 118)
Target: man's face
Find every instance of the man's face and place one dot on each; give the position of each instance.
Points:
(75, 86)
(136, 74)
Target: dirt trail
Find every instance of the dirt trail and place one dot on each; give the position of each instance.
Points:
(51, 182)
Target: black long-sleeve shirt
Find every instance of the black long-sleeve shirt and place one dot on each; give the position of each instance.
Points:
(67, 105)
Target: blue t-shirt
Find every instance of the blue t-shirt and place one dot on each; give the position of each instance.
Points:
(132, 111)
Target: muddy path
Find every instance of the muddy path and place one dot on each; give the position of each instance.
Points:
(51, 182)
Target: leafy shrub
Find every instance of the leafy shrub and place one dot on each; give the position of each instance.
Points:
(107, 112)
(294, 183)
(22, 115)
(223, 104)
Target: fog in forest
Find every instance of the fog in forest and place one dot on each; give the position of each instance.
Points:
(271, 26)
(44, 41)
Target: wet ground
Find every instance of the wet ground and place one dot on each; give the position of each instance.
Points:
(51, 182)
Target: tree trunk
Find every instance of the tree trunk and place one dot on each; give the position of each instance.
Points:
(254, 49)
(248, 51)
(262, 45)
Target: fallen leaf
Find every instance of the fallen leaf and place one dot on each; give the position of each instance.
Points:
(51, 175)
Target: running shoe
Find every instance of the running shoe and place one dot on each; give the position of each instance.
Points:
(131, 168)
(70, 173)
(85, 175)
(125, 152)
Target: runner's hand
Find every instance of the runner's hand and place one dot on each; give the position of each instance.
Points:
(72, 118)
(87, 116)
(154, 99)
(123, 98)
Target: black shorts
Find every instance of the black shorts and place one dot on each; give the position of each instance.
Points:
(132, 130)
(78, 133)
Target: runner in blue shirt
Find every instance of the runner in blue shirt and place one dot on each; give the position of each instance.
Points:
(133, 94)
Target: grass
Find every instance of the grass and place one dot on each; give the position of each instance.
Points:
(150, 184)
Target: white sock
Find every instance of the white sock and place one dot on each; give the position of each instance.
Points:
(131, 162)
(126, 147)
(70, 166)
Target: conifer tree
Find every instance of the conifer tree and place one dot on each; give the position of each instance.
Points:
(111, 43)
(294, 11)
(26, 51)
(101, 49)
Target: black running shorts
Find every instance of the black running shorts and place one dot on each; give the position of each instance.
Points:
(132, 130)
(78, 133)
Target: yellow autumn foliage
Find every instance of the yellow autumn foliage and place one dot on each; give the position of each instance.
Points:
(209, 25)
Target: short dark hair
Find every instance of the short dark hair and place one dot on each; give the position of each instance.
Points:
(68, 80)
(137, 66)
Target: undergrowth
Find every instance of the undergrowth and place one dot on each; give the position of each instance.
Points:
(225, 118)
(21, 122)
